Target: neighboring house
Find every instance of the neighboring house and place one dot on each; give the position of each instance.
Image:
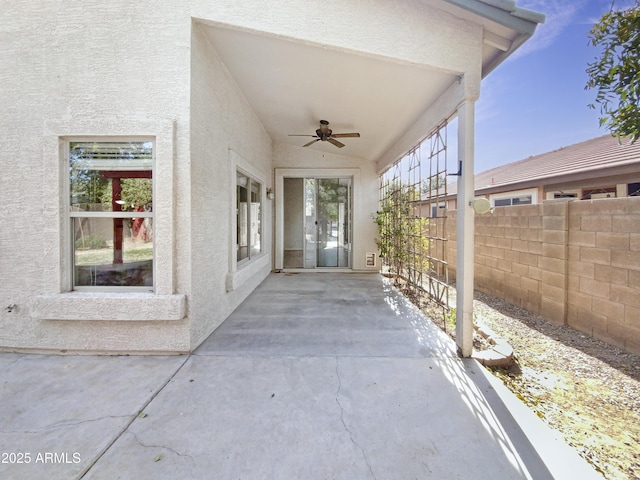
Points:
(602, 167)
(150, 181)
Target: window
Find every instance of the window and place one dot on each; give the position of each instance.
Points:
(523, 200)
(595, 193)
(633, 189)
(515, 197)
(438, 210)
(248, 217)
(111, 214)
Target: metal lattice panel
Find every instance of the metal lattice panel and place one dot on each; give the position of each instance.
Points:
(411, 219)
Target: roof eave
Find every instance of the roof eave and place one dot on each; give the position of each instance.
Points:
(627, 168)
(503, 12)
(498, 59)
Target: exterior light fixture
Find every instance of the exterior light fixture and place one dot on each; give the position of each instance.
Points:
(270, 193)
(480, 205)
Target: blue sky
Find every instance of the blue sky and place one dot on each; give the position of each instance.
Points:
(535, 101)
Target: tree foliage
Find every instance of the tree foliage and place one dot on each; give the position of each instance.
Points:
(615, 74)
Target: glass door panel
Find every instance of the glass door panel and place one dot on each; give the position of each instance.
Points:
(310, 229)
(327, 214)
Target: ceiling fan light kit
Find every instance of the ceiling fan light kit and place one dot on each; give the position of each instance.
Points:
(325, 134)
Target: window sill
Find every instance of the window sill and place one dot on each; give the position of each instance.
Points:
(99, 306)
(247, 271)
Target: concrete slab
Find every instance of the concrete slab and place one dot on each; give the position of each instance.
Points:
(59, 413)
(315, 418)
(327, 314)
(325, 376)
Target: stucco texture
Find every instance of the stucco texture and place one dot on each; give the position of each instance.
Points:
(95, 70)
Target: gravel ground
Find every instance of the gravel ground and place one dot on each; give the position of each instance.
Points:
(586, 389)
(582, 387)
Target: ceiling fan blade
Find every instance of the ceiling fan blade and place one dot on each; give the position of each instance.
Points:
(335, 142)
(344, 135)
(302, 135)
(311, 142)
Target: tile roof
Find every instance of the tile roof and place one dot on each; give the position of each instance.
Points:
(590, 158)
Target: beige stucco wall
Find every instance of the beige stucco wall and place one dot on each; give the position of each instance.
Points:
(94, 69)
(574, 262)
(225, 135)
(86, 69)
(396, 30)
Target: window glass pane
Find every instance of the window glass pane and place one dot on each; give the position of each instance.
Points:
(112, 252)
(110, 176)
(105, 178)
(502, 202)
(100, 194)
(242, 180)
(255, 216)
(242, 217)
(112, 155)
(523, 200)
(248, 217)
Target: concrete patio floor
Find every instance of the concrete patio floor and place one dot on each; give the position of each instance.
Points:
(314, 376)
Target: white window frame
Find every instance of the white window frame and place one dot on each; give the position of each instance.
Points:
(58, 302)
(514, 194)
(250, 182)
(246, 269)
(550, 195)
(69, 215)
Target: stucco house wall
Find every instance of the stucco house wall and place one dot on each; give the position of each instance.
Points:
(83, 70)
(90, 70)
(225, 135)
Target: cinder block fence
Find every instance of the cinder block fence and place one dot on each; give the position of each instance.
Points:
(575, 262)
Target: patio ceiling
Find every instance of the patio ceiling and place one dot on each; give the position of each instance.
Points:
(292, 85)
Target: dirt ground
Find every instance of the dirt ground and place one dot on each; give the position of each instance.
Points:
(582, 387)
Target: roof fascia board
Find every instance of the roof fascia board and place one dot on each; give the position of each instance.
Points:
(503, 12)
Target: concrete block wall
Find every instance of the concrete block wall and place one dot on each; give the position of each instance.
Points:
(604, 270)
(572, 262)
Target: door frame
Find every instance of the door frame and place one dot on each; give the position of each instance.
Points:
(280, 175)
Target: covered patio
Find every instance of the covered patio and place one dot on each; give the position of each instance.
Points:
(314, 376)
(241, 107)
(342, 100)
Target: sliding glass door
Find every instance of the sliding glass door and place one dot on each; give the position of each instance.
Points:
(327, 222)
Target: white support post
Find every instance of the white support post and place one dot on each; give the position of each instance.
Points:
(465, 231)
